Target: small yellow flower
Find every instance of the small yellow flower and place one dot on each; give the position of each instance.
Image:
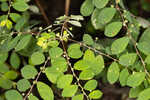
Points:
(6, 23)
(40, 43)
(44, 46)
(70, 28)
(3, 23)
(65, 36)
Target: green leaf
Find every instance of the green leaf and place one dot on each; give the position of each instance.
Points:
(20, 6)
(144, 95)
(89, 55)
(23, 42)
(3, 68)
(55, 52)
(144, 47)
(74, 51)
(96, 94)
(128, 59)
(3, 57)
(95, 64)
(45, 91)
(5, 83)
(15, 60)
(29, 72)
(134, 92)
(69, 91)
(100, 3)
(23, 85)
(64, 81)
(4, 6)
(37, 58)
(20, 23)
(11, 75)
(53, 74)
(12, 44)
(86, 75)
(32, 97)
(75, 23)
(136, 79)
(95, 20)
(116, 48)
(90, 85)
(145, 36)
(147, 59)
(113, 73)
(78, 97)
(87, 39)
(60, 64)
(106, 15)
(13, 95)
(113, 29)
(123, 77)
(81, 65)
(15, 16)
(87, 8)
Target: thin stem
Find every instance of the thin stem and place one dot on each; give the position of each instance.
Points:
(67, 7)
(97, 51)
(43, 12)
(36, 80)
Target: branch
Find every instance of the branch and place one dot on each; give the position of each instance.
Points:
(43, 12)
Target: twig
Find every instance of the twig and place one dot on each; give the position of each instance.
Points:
(72, 70)
(97, 51)
(43, 12)
(67, 7)
(68, 62)
(36, 80)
